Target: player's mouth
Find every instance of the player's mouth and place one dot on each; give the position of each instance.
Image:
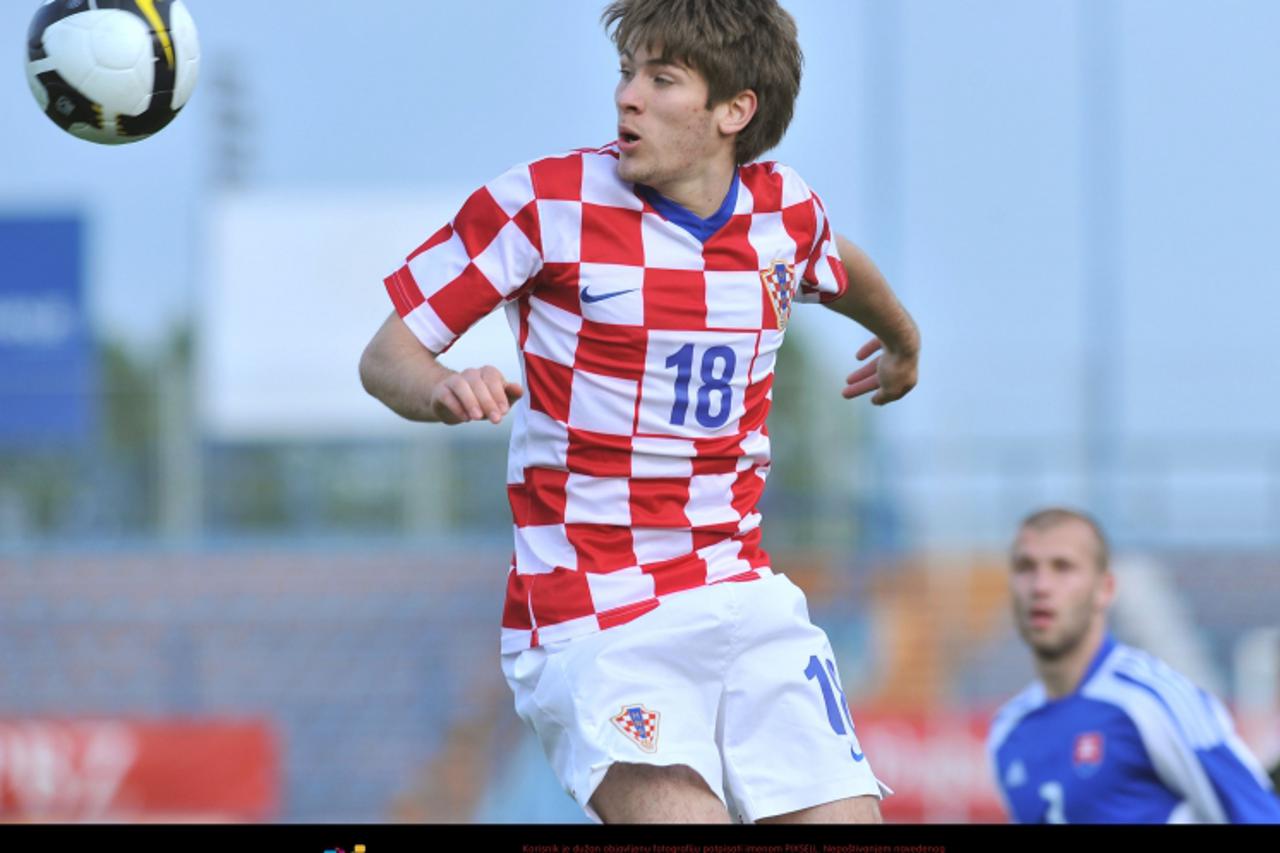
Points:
(1040, 617)
(628, 140)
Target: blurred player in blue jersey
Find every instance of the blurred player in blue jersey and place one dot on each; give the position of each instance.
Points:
(1108, 733)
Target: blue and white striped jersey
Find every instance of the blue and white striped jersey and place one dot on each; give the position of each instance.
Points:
(1136, 743)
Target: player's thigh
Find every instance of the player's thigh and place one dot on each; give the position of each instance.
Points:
(643, 793)
(787, 734)
(646, 692)
(849, 810)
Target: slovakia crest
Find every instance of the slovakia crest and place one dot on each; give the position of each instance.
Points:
(640, 724)
(780, 283)
(1087, 754)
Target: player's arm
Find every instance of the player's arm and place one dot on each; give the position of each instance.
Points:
(870, 302)
(406, 376)
(448, 284)
(1198, 755)
(1220, 785)
(1239, 782)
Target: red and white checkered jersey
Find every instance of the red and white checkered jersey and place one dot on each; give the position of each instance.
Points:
(639, 451)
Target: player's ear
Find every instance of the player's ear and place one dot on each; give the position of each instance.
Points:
(738, 112)
(1107, 589)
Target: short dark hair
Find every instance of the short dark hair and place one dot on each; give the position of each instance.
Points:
(1043, 519)
(734, 44)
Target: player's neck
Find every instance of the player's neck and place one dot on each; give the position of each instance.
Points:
(702, 192)
(1062, 676)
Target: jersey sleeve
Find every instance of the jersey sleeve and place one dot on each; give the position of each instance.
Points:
(823, 278)
(485, 256)
(1241, 784)
(1196, 752)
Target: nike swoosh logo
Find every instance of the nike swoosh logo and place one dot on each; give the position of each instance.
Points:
(857, 756)
(589, 298)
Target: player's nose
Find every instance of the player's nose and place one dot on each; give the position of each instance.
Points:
(1041, 581)
(627, 97)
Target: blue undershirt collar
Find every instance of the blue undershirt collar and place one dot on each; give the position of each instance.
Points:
(700, 228)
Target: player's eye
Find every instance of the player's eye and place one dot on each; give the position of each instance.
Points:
(662, 81)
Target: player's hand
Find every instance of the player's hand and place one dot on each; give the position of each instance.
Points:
(474, 394)
(891, 374)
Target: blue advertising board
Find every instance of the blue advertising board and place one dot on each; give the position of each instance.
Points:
(48, 382)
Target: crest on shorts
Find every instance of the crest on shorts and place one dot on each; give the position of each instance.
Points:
(1087, 753)
(780, 283)
(640, 724)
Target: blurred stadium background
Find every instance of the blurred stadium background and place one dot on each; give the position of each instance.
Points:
(233, 588)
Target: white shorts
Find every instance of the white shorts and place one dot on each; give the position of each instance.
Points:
(732, 680)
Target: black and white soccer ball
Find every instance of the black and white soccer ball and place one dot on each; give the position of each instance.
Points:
(112, 71)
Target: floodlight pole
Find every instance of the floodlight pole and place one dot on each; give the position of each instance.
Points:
(1101, 256)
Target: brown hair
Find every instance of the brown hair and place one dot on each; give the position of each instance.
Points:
(734, 44)
(1053, 516)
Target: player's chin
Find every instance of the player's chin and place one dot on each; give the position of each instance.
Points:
(631, 171)
(1046, 646)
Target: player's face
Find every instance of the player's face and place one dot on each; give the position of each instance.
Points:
(666, 133)
(1060, 592)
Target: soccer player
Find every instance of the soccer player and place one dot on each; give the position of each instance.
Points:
(1108, 733)
(669, 673)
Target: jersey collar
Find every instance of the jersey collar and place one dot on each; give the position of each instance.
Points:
(701, 229)
(1108, 644)
(1100, 657)
(1041, 695)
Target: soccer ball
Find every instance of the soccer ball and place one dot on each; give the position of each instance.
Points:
(112, 71)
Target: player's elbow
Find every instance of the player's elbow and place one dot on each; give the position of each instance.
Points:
(369, 370)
